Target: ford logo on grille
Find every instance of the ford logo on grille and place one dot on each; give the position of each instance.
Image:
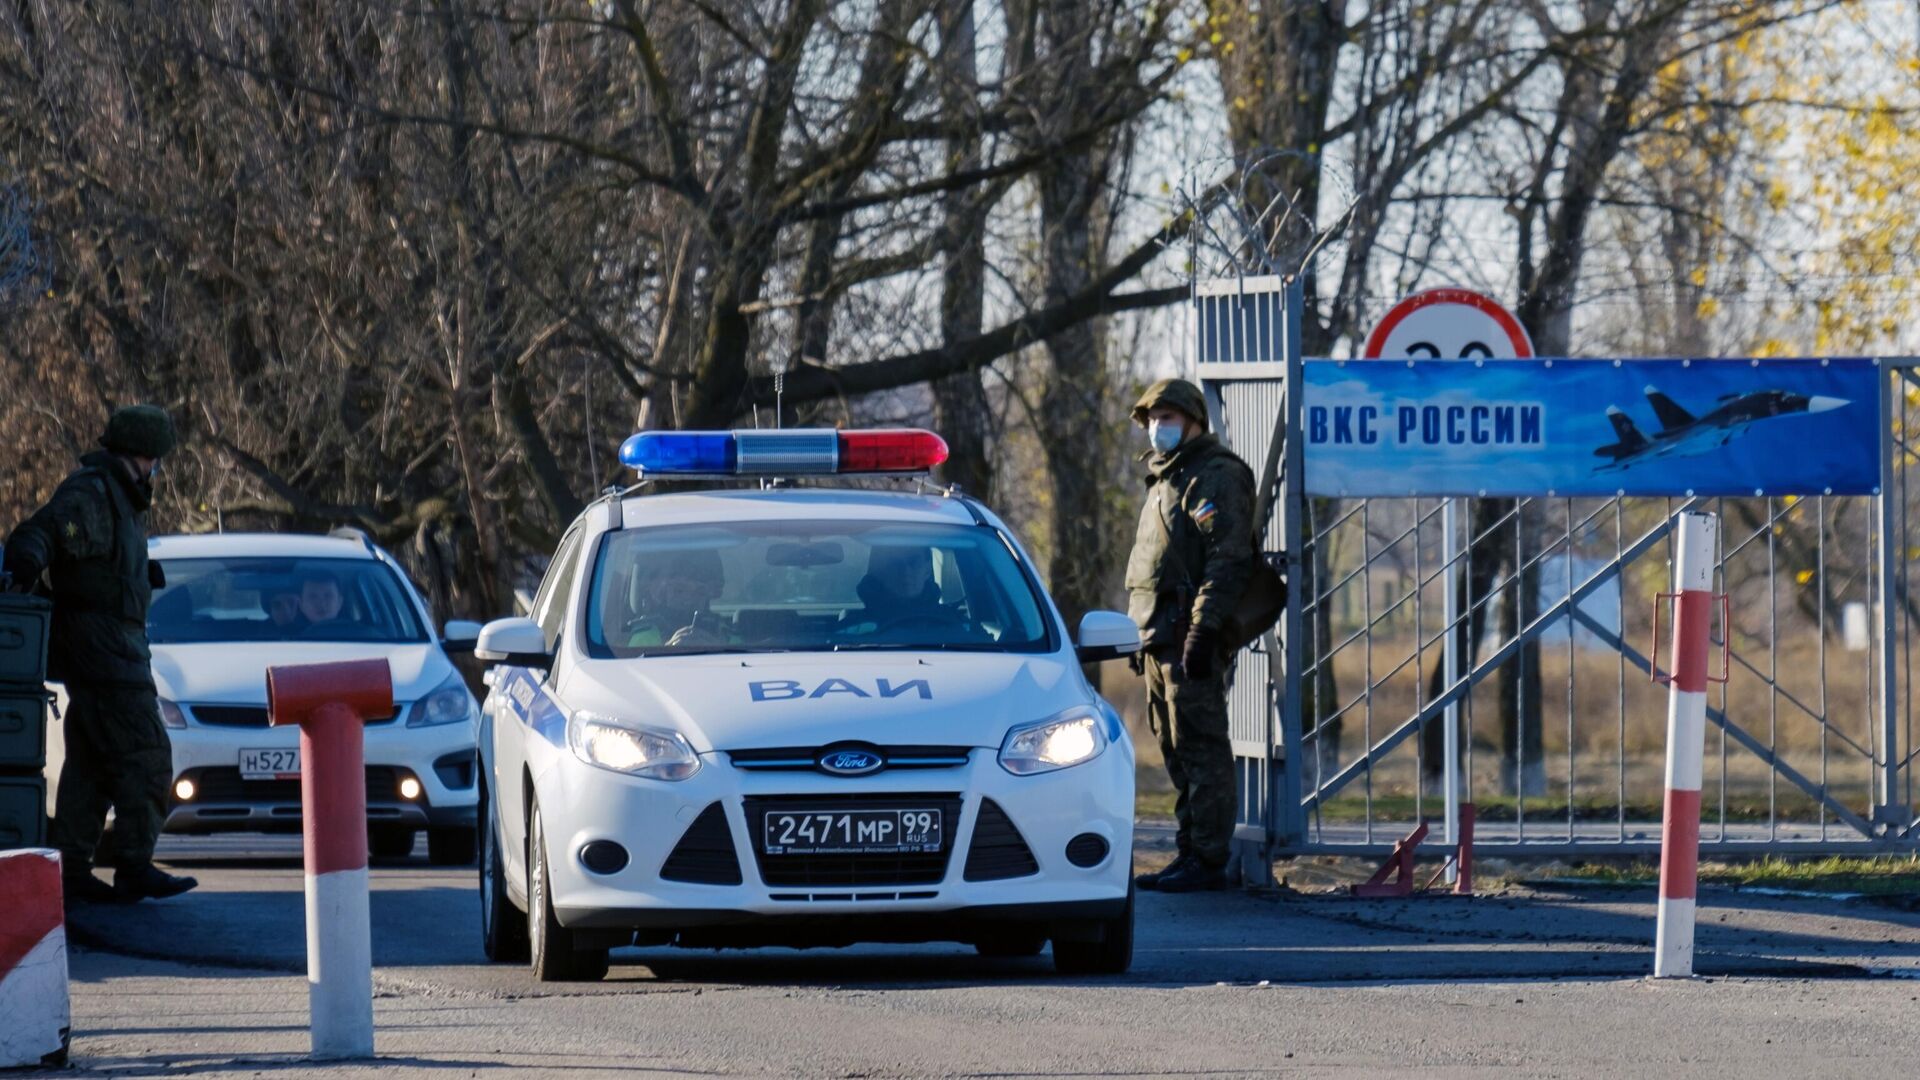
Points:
(851, 762)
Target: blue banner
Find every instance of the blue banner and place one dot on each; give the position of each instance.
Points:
(1592, 427)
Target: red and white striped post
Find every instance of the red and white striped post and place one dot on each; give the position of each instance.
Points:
(1686, 744)
(34, 1006)
(332, 703)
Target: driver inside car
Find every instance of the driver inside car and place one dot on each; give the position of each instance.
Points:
(675, 591)
(321, 601)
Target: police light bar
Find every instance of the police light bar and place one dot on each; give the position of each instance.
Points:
(788, 452)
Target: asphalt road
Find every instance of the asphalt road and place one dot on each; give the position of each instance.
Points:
(1524, 982)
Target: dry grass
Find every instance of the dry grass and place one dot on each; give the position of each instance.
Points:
(1613, 705)
(1889, 875)
(1604, 730)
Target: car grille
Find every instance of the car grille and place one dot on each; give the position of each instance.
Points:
(704, 856)
(806, 758)
(998, 851)
(255, 716)
(224, 785)
(918, 868)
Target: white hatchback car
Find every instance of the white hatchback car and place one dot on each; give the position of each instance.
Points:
(235, 604)
(780, 716)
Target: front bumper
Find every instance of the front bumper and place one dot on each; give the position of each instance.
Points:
(650, 820)
(440, 758)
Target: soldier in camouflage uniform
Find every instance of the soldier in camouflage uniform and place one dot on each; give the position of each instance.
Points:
(1191, 557)
(90, 541)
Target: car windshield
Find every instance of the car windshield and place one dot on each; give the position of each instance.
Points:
(809, 586)
(267, 599)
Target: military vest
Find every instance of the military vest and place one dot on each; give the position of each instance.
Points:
(1169, 552)
(100, 604)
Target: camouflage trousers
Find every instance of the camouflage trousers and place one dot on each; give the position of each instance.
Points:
(118, 756)
(1190, 718)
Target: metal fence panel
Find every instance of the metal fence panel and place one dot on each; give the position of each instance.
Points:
(1811, 747)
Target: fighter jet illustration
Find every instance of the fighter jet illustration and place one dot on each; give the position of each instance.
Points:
(1683, 434)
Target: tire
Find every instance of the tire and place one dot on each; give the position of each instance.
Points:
(1013, 941)
(553, 954)
(503, 929)
(1111, 955)
(452, 846)
(390, 841)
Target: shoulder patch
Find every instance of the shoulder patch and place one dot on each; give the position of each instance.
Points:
(1204, 512)
(72, 530)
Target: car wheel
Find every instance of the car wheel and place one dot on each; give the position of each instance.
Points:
(554, 957)
(451, 846)
(1013, 941)
(503, 931)
(390, 841)
(1111, 955)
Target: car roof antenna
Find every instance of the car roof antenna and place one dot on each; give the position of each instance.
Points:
(779, 416)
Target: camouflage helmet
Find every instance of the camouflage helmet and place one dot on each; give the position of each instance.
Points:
(1173, 393)
(139, 431)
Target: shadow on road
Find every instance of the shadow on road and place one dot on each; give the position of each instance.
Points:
(250, 915)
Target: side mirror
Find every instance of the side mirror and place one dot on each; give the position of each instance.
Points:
(460, 636)
(519, 642)
(1106, 635)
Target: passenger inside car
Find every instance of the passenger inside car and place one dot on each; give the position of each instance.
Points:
(898, 584)
(899, 593)
(283, 609)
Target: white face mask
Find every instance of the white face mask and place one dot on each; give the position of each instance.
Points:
(1165, 435)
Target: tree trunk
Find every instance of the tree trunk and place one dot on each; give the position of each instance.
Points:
(960, 407)
(1074, 428)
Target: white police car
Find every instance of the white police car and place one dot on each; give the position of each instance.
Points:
(784, 716)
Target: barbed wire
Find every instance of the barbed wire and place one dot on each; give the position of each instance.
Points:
(1245, 234)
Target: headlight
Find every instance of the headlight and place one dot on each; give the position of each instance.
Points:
(1071, 738)
(448, 704)
(634, 749)
(170, 714)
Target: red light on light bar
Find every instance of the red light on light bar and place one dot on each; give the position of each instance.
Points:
(891, 450)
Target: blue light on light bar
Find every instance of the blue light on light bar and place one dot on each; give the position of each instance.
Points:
(679, 452)
(788, 452)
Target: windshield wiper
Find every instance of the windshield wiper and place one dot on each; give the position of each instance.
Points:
(718, 650)
(892, 646)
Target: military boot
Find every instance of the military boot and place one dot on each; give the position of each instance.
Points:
(149, 882)
(1193, 876)
(1151, 879)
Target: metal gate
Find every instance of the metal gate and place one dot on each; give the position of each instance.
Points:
(1336, 716)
